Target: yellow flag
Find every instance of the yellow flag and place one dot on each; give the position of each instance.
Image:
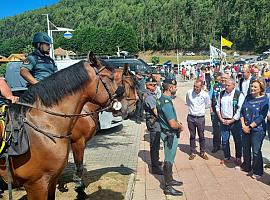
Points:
(225, 42)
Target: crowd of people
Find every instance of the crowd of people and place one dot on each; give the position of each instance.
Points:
(238, 99)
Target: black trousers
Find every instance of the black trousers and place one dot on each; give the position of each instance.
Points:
(139, 108)
(154, 131)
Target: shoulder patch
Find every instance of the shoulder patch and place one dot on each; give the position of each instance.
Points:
(26, 61)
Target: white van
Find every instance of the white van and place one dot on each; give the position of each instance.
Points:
(18, 86)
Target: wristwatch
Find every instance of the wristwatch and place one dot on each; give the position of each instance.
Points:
(250, 127)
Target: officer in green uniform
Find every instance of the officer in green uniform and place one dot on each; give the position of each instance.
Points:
(153, 126)
(38, 65)
(170, 131)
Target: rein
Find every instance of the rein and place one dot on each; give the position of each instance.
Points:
(60, 114)
(48, 134)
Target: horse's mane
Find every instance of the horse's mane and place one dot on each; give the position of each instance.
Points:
(51, 90)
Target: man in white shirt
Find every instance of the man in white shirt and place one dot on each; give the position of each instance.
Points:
(228, 111)
(197, 101)
(245, 82)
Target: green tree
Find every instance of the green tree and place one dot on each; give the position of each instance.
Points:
(155, 60)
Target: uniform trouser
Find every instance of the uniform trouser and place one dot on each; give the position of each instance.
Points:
(216, 130)
(139, 108)
(253, 141)
(236, 131)
(196, 123)
(154, 143)
(169, 152)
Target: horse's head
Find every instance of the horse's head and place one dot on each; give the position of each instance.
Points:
(125, 77)
(104, 87)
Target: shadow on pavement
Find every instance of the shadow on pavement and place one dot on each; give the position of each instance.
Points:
(265, 178)
(91, 177)
(111, 130)
(145, 156)
(146, 136)
(185, 148)
(105, 138)
(209, 128)
(104, 194)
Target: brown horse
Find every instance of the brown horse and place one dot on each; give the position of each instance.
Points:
(53, 106)
(85, 128)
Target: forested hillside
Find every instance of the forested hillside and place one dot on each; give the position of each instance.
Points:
(135, 25)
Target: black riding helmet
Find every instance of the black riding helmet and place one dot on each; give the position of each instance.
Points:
(41, 37)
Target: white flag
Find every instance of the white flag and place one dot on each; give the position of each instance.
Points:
(216, 53)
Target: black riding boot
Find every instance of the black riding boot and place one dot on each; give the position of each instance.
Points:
(169, 182)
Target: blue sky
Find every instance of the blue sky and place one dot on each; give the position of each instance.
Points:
(12, 7)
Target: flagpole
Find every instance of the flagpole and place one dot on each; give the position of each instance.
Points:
(221, 62)
(210, 51)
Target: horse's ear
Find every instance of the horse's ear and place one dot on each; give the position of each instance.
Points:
(125, 70)
(91, 57)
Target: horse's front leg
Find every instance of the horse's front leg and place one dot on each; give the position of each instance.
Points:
(78, 153)
(37, 190)
(52, 188)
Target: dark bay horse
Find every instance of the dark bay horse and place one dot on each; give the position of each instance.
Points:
(63, 94)
(85, 128)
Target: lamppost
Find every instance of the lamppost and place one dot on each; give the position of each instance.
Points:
(67, 33)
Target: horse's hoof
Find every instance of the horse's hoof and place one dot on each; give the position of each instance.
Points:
(81, 194)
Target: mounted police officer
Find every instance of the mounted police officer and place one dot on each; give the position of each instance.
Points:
(170, 131)
(153, 127)
(38, 65)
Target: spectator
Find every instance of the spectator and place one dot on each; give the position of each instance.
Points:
(228, 111)
(214, 94)
(253, 114)
(245, 81)
(197, 101)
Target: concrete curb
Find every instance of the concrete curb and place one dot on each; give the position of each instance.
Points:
(130, 187)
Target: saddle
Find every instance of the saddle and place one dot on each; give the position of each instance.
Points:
(14, 138)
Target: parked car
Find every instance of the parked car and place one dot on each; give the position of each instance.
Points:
(189, 53)
(250, 60)
(262, 57)
(235, 54)
(18, 85)
(267, 52)
(204, 53)
(133, 63)
(240, 62)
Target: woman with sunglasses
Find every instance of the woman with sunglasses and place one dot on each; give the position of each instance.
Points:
(253, 114)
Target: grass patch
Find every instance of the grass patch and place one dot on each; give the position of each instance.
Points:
(102, 186)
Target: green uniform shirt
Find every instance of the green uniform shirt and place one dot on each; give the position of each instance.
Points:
(166, 111)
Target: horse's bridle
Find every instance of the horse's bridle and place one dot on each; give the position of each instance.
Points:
(111, 97)
(128, 99)
(53, 135)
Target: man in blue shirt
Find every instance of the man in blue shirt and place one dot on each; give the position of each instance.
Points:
(170, 131)
(38, 65)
